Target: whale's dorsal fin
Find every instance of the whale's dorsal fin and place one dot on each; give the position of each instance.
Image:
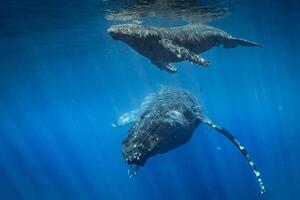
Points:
(242, 149)
(183, 53)
(134, 115)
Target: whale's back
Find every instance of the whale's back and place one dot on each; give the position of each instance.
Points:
(195, 37)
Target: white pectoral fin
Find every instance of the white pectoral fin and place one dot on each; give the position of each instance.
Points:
(134, 115)
(127, 118)
(147, 101)
(183, 53)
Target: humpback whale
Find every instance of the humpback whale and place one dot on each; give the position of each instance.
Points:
(174, 44)
(164, 122)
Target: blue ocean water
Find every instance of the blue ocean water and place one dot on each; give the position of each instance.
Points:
(63, 81)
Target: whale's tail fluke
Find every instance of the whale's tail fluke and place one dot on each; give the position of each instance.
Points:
(233, 42)
(241, 148)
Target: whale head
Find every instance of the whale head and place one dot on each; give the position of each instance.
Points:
(168, 123)
(131, 32)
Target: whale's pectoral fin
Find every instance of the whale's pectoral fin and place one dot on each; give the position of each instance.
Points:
(240, 147)
(134, 115)
(127, 118)
(233, 42)
(165, 66)
(183, 53)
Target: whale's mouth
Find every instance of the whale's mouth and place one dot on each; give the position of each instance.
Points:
(114, 37)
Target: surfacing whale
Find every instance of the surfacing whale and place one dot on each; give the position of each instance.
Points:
(166, 45)
(164, 122)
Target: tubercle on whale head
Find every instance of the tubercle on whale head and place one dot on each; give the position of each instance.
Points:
(136, 151)
(140, 143)
(130, 31)
(113, 33)
(135, 154)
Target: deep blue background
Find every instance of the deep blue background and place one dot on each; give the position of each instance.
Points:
(61, 87)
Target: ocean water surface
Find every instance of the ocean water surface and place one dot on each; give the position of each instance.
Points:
(64, 81)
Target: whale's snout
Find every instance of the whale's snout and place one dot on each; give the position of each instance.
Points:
(113, 33)
(120, 32)
(110, 30)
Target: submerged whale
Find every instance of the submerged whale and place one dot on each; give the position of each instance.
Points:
(164, 122)
(166, 45)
